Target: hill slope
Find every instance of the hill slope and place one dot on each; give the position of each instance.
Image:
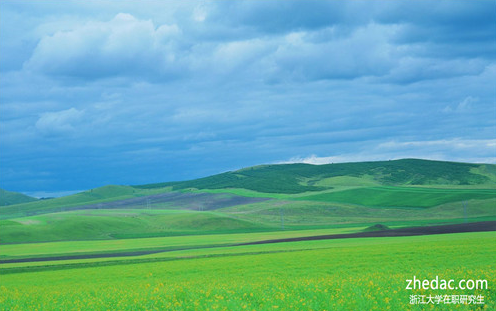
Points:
(283, 182)
(94, 196)
(297, 178)
(265, 198)
(10, 197)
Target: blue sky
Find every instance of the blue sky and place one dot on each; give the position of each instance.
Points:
(125, 92)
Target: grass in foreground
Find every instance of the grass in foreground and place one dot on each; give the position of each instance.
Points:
(364, 274)
(28, 250)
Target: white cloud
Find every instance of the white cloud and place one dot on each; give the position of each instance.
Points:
(466, 104)
(60, 122)
(200, 13)
(305, 56)
(230, 56)
(315, 160)
(121, 46)
(449, 149)
(51, 194)
(454, 149)
(137, 48)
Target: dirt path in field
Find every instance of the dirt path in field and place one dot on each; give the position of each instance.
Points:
(412, 231)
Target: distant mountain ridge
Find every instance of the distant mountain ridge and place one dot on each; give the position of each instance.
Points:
(297, 178)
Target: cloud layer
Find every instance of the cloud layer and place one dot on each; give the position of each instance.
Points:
(124, 93)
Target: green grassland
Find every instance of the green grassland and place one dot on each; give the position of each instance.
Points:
(190, 233)
(297, 178)
(99, 195)
(353, 274)
(303, 214)
(273, 215)
(29, 250)
(402, 196)
(110, 224)
(297, 197)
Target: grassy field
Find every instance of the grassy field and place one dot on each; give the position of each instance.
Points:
(357, 274)
(99, 195)
(297, 178)
(301, 214)
(402, 196)
(187, 235)
(27, 250)
(274, 215)
(113, 224)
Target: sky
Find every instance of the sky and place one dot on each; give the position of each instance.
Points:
(133, 92)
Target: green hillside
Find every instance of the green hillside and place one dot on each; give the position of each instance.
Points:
(93, 196)
(402, 196)
(297, 178)
(10, 197)
(265, 198)
(110, 224)
(355, 183)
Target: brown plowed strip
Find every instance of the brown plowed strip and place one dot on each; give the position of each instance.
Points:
(85, 256)
(427, 230)
(413, 231)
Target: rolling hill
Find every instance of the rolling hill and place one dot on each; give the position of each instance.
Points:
(10, 197)
(265, 198)
(297, 178)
